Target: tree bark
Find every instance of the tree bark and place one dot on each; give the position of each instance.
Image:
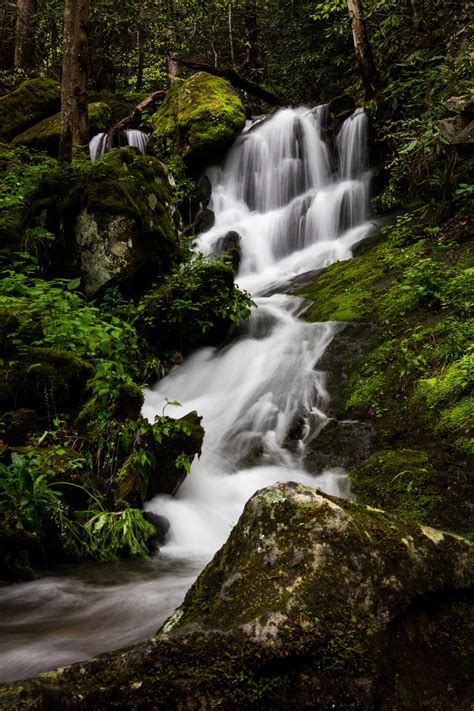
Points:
(368, 70)
(25, 35)
(231, 36)
(236, 80)
(140, 47)
(251, 34)
(74, 109)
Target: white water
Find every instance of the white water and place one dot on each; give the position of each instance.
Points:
(296, 210)
(135, 138)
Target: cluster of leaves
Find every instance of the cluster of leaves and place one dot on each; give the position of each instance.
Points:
(30, 493)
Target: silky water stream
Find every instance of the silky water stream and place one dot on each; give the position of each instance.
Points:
(296, 209)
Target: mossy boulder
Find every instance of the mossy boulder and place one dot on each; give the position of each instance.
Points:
(190, 308)
(44, 136)
(33, 101)
(199, 119)
(313, 602)
(184, 438)
(46, 380)
(118, 222)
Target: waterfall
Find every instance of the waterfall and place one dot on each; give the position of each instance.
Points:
(295, 210)
(132, 136)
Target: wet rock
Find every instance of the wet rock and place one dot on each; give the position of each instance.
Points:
(185, 440)
(203, 191)
(204, 220)
(313, 602)
(199, 118)
(161, 524)
(32, 101)
(230, 245)
(341, 443)
(350, 344)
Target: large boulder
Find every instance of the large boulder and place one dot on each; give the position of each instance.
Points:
(312, 603)
(199, 118)
(118, 223)
(45, 135)
(33, 101)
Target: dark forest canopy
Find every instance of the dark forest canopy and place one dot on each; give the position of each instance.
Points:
(300, 49)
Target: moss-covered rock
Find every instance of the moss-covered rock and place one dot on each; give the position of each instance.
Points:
(33, 101)
(173, 453)
(119, 227)
(405, 482)
(44, 136)
(199, 118)
(404, 367)
(191, 308)
(46, 380)
(312, 603)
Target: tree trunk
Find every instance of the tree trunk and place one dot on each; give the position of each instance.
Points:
(7, 38)
(368, 70)
(74, 111)
(173, 65)
(25, 35)
(140, 48)
(231, 37)
(251, 34)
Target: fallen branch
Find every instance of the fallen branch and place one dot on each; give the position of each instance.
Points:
(132, 117)
(236, 80)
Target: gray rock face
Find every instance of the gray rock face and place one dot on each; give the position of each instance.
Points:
(312, 603)
(459, 130)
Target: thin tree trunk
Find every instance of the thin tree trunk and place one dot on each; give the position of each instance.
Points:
(25, 35)
(7, 38)
(368, 70)
(140, 48)
(251, 34)
(416, 14)
(231, 38)
(173, 65)
(74, 110)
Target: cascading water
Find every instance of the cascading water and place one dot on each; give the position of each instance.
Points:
(296, 209)
(133, 137)
(293, 213)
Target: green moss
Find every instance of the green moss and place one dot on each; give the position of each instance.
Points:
(44, 136)
(34, 100)
(199, 118)
(45, 379)
(457, 422)
(345, 290)
(401, 481)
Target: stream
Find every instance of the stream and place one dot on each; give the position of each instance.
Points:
(296, 209)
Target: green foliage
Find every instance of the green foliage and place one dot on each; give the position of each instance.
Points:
(110, 534)
(196, 301)
(26, 491)
(29, 491)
